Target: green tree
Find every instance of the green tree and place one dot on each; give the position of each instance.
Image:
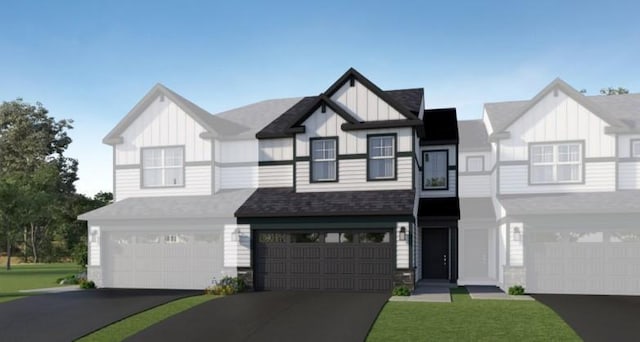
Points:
(614, 91)
(34, 173)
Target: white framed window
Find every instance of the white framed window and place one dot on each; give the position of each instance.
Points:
(435, 170)
(635, 148)
(475, 163)
(556, 163)
(381, 157)
(163, 167)
(324, 165)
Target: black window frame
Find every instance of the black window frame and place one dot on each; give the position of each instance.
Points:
(395, 157)
(446, 173)
(311, 140)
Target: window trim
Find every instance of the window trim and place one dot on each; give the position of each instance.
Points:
(311, 140)
(142, 168)
(631, 154)
(395, 157)
(466, 163)
(446, 187)
(555, 144)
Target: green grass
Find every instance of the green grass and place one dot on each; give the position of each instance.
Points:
(31, 276)
(131, 325)
(470, 320)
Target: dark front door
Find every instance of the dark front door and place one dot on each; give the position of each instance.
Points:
(435, 253)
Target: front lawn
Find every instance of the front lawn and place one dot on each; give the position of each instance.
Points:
(120, 330)
(470, 320)
(32, 276)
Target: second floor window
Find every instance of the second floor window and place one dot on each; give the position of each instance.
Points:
(163, 167)
(635, 148)
(323, 160)
(556, 163)
(435, 170)
(475, 163)
(382, 157)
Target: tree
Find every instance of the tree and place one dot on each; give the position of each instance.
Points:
(614, 91)
(34, 173)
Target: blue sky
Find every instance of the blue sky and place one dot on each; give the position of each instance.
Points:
(92, 61)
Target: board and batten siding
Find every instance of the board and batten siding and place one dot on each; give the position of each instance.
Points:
(452, 181)
(276, 149)
(350, 142)
(363, 104)
(556, 119)
(162, 123)
(197, 182)
(352, 176)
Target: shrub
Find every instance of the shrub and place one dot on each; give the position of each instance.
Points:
(227, 286)
(87, 284)
(516, 290)
(68, 280)
(401, 291)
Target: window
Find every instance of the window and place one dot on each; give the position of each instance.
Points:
(338, 238)
(475, 163)
(434, 171)
(556, 163)
(374, 237)
(381, 157)
(305, 237)
(323, 160)
(635, 148)
(163, 166)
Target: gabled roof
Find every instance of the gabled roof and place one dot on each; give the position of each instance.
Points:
(504, 114)
(216, 126)
(390, 99)
(285, 202)
(408, 100)
(257, 115)
(473, 136)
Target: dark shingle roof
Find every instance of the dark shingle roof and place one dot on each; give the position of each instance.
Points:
(473, 136)
(440, 126)
(411, 99)
(257, 115)
(573, 203)
(285, 202)
(439, 207)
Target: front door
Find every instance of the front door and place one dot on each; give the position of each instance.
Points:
(435, 253)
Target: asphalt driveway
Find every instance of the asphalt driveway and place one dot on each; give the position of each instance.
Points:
(71, 315)
(598, 318)
(273, 316)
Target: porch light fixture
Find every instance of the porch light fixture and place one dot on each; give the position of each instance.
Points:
(402, 236)
(235, 235)
(517, 234)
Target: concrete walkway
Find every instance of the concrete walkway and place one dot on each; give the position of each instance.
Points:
(431, 292)
(57, 289)
(493, 293)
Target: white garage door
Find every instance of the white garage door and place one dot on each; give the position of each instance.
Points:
(583, 262)
(168, 260)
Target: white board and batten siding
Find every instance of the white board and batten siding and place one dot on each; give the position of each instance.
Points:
(452, 181)
(628, 167)
(352, 173)
(557, 118)
(274, 176)
(162, 123)
(363, 104)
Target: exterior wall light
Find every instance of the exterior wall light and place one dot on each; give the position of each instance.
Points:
(402, 236)
(235, 235)
(517, 234)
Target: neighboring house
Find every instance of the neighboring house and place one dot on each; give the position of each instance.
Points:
(358, 192)
(179, 174)
(550, 194)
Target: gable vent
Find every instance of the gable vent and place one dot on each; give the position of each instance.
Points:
(161, 98)
(323, 109)
(555, 92)
(352, 81)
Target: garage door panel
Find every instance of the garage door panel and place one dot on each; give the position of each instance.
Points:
(304, 265)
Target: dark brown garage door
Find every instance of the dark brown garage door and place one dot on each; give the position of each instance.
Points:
(341, 261)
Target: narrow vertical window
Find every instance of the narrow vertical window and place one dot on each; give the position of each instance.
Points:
(381, 157)
(324, 166)
(435, 170)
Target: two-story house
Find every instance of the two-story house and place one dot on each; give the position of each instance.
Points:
(357, 191)
(549, 194)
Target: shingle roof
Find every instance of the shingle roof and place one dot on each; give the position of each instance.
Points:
(440, 126)
(473, 136)
(573, 203)
(285, 202)
(502, 113)
(278, 128)
(220, 205)
(257, 115)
